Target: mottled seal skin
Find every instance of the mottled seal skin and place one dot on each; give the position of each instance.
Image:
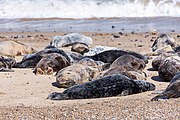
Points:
(69, 39)
(177, 49)
(80, 48)
(50, 63)
(172, 90)
(111, 55)
(14, 48)
(6, 64)
(157, 61)
(129, 62)
(169, 68)
(31, 60)
(162, 41)
(104, 87)
(136, 75)
(79, 73)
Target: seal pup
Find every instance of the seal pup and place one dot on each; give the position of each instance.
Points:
(31, 60)
(104, 87)
(111, 55)
(83, 71)
(51, 63)
(14, 48)
(169, 67)
(172, 90)
(69, 39)
(80, 48)
(6, 64)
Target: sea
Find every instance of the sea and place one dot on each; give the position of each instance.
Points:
(89, 15)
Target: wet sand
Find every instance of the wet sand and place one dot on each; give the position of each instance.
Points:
(23, 94)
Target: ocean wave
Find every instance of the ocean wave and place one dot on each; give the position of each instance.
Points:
(88, 8)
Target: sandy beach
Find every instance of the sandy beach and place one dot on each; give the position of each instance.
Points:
(23, 95)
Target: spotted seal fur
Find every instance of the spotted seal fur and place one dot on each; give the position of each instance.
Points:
(172, 90)
(104, 87)
(6, 64)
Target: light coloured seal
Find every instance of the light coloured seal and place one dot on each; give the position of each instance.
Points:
(70, 39)
(80, 48)
(51, 63)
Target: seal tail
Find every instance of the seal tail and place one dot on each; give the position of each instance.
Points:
(58, 96)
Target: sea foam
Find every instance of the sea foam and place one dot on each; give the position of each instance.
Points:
(88, 8)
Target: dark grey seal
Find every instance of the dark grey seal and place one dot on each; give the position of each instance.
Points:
(6, 64)
(31, 60)
(105, 87)
(172, 90)
(111, 55)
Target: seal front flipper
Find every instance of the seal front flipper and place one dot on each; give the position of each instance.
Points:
(58, 96)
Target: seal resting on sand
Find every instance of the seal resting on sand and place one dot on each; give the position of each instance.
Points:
(13, 48)
(136, 75)
(104, 87)
(70, 39)
(31, 60)
(111, 55)
(80, 48)
(50, 63)
(78, 73)
(169, 67)
(129, 62)
(172, 90)
(6, 64)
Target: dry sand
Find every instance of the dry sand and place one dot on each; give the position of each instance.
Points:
(23, 94)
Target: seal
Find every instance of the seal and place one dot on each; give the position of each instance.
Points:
(83, 71)
(129, 62)
(172, 90)
(6, 64)
(31, 60)
(70, 39)
(169, 68)
(50, 63)
(111, 55)
(136, 75)
(104, 87)
(14, 48)
(80, 48)
(162, 41)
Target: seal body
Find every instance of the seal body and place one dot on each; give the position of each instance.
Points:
(80, 48)
(83, 71)
(104, 87)
(13, 48)
(6, 64)
(169, 67)
(172, 90)
(50, 63)
(69, 39)
(31, 60)
(111, 55)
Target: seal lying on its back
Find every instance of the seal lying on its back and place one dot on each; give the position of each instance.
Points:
(169, 68)
(104, 87)
(172, 90)
(31, 60)
(69, 39)
(6, 64)
(50, 63)
(111, 55)
(13, 48)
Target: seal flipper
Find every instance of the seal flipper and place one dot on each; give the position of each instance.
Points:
(162, 96)
(58, 96)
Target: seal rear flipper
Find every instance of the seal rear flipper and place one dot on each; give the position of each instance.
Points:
(158, 97)
(58, 96)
